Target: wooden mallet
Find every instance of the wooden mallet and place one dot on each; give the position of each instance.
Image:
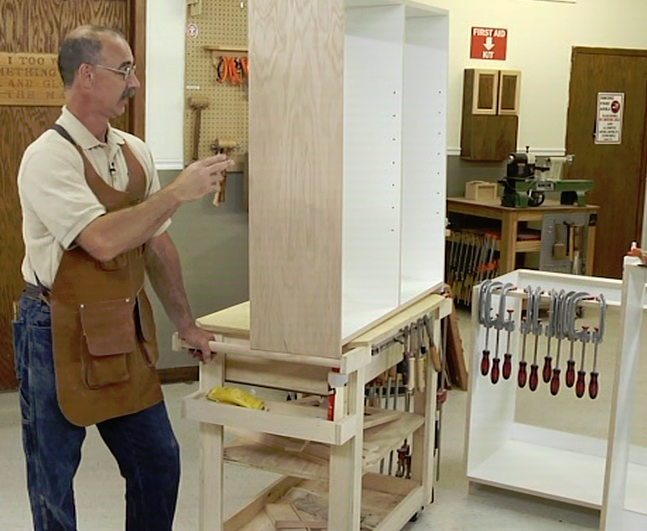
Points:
(197, 104)
(226, 147)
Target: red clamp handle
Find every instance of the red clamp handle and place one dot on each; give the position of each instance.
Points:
(554, 383)
(485, 362)
(522, 376)
(534, 377)
(507, 366)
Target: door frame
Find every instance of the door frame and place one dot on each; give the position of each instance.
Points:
(628, 52)
(137, 38)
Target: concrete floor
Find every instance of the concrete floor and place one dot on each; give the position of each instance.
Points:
(100, 490)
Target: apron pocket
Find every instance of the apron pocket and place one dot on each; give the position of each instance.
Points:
(109, 336)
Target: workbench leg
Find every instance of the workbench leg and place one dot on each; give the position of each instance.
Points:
(345, 483)
(211, 455)
(590, 249)
(508, 243)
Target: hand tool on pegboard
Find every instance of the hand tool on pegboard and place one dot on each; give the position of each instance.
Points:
(573, 335)
(500, 325)
(580, 384)
(421, 358)
(434, 353)
(507, 357)
(525, 328)
(598, 334)
(560, 334)
(485, 318)
(226, 147)
(550, 332)
(197, 105)
(533, 380)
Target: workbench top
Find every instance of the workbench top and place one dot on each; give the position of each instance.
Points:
(235, 321)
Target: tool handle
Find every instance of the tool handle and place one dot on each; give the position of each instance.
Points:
(507, 366)
(485, 362)
(554, 383)
(523, 375)
(580, 386)
(548, 362)
(593, 385)
(570, 373)
(494, 375)
(533, 381)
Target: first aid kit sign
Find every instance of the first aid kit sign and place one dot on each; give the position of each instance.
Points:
(489, 43)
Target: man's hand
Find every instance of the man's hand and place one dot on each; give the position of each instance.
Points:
(199, 339)
(201, 177)
(638, 252)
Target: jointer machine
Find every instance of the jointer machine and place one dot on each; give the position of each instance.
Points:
(525, 184)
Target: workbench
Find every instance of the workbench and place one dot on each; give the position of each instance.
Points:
(340, 467)
(510, 244)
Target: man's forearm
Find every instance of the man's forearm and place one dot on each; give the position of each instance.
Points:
(116, 232)
(165, 273)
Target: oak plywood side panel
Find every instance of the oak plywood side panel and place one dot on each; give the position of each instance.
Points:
(296, 175)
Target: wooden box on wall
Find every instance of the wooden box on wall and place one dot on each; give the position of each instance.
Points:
(347, 139)
(490, 118)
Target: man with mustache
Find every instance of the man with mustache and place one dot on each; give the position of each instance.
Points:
(94, 223)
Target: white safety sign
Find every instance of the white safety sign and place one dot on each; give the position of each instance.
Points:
(608, 123)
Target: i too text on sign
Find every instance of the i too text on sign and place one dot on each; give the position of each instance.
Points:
(489, 43)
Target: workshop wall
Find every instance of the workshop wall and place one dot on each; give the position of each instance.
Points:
(541, 35)
(213, 247)
(213, 241)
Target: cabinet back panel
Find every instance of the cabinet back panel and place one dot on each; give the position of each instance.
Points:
(424, 155)
(372, 161)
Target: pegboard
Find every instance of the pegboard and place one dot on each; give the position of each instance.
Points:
(220, 23)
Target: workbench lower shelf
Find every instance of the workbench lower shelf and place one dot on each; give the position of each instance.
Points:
(310, 460)
(387, 503)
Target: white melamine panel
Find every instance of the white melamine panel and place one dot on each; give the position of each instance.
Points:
(424, 153)
(626, 482)
(561, 475)
(372, 159)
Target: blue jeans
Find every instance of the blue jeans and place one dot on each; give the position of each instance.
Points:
(143, 443)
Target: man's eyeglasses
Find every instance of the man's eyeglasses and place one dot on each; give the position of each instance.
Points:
(125, 72)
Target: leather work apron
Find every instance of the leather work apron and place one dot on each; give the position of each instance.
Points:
(105, 346)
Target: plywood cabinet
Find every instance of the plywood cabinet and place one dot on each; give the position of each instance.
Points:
(490, 118)
(347, 166)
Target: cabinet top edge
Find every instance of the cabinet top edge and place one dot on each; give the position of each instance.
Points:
(419, 8)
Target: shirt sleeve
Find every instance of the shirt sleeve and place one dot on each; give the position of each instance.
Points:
(52, 184)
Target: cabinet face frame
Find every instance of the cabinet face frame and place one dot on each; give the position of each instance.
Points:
(516, 76)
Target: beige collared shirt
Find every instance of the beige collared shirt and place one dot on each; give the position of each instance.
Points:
(57, 203)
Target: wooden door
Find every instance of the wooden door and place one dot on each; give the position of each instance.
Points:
(617, 169)
(37, 26)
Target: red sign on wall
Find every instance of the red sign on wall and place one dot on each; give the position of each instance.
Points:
(489, 43)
